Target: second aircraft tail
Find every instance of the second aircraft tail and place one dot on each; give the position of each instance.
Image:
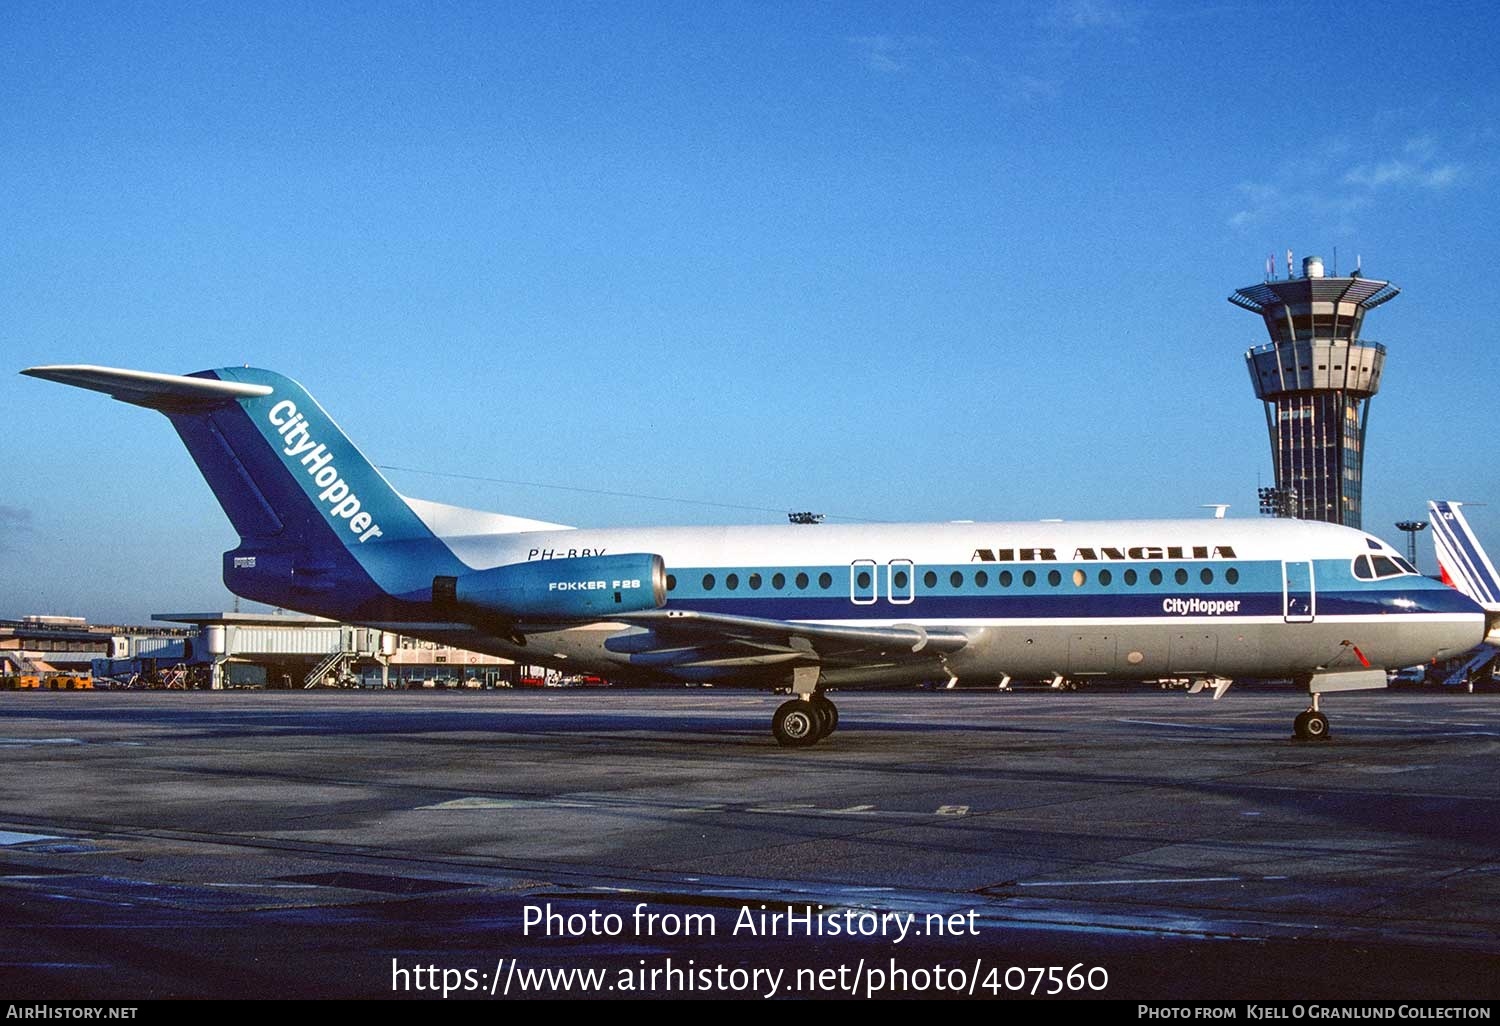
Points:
(1463, 562)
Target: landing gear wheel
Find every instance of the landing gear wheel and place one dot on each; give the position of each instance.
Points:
(829, 714)
(1311, 726)
(796, 724)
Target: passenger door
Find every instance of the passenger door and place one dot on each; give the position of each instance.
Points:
(1299, 600)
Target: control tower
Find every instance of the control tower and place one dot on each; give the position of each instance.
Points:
(1316, 377)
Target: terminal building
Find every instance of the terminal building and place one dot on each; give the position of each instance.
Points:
(1316, 378)
(217, 650)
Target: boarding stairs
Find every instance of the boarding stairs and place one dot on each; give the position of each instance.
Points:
(354, 644)
(332, 662)
(16, 663)
(1473, 666)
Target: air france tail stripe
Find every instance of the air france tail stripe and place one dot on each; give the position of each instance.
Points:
(1458, 564)
(1484, 569)
(1450, 554)
(1452, 532)
(1471, 563)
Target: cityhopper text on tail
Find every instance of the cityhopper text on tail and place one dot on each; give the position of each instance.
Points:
(803, 608)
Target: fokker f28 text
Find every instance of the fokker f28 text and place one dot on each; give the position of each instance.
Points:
(806, 609)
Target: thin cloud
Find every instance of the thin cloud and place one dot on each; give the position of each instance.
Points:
(13, 521)
(891, 54)
(1030, 87)
(1402, 172)
(1087, 15)
(1266, 202)
(1327, 186)
(900, 55)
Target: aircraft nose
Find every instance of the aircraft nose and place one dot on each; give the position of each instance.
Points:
(1467, 626)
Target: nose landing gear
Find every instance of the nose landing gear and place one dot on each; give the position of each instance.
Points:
(1311, 725)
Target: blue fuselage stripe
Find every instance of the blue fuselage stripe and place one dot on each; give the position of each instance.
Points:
(1258, 592)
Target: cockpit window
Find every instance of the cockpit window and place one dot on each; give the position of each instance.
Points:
(1378, 568)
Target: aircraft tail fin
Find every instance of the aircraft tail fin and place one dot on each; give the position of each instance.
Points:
(1463, 561)
(320, 527)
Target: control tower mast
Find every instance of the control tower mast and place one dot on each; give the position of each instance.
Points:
(1316, 377)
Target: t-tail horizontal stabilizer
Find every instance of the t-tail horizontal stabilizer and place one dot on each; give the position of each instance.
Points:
(170, 393)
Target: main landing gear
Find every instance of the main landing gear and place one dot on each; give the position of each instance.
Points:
(1311, 725)
(804, 721)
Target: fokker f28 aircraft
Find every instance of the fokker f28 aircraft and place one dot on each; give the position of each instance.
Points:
(799, 607)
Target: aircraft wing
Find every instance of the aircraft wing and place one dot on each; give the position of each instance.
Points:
(685, 639)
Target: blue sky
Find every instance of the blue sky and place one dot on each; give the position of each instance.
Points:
(892, 261)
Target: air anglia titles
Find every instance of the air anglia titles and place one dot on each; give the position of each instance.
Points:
(1106, 552)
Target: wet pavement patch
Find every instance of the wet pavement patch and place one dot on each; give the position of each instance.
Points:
(378, 884)
(11, 870)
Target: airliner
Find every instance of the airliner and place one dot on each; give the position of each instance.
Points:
(800, 608)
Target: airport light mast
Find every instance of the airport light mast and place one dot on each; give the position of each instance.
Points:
(1410, 528)
(1315, 378)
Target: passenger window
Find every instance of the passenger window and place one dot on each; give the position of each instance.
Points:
(1206, 576)
(1079, 578)
(1054, 578)
(671, 582)
(1028, 578)
(825, 581)
(778, 581)
(801, 580)
(1105, 577)
(1180, 576)
(956, 579)
(1156, 577)
(1130, 578)
(755, 582)
(708, 582)
(1005, 578)
(1232, 575)
(899, 580)
(863, 580)
(981, 578)
(929, 579)
(732, 581)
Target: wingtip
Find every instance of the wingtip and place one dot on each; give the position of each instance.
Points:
(149, 388)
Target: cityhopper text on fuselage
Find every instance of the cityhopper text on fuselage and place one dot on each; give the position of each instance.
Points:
(796, 607)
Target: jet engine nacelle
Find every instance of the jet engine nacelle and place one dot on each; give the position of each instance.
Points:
(583, 588)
